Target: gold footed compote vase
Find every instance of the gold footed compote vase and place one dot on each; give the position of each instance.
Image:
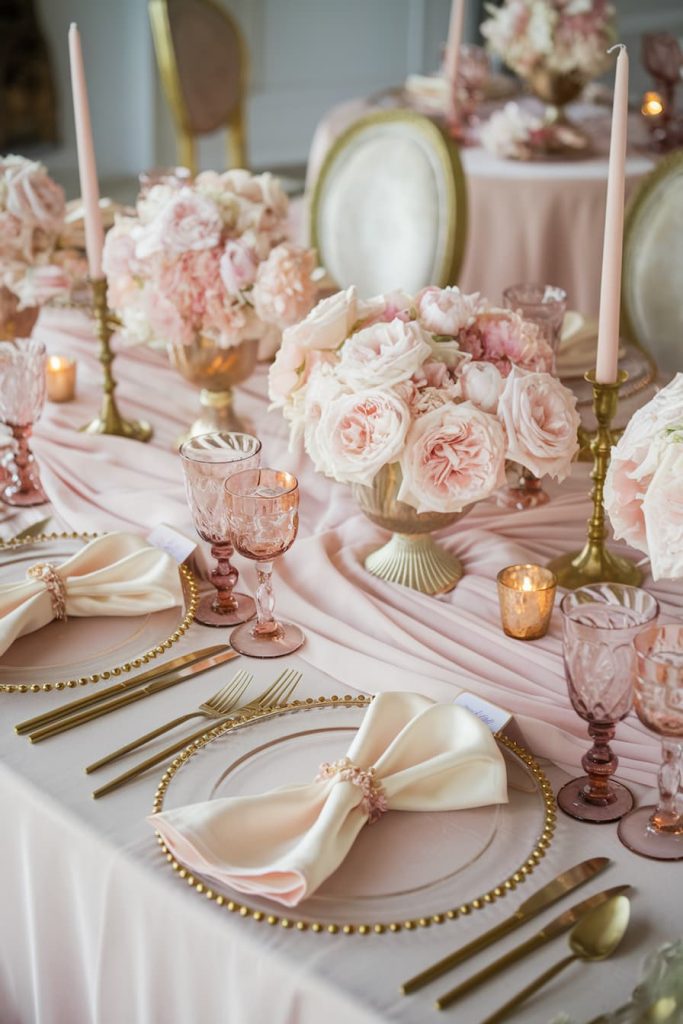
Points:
(657, 832)
(556, 91)
(216, 370)
(411, 558)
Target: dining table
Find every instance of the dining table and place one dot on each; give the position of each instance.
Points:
(96, 926)
(559, 201)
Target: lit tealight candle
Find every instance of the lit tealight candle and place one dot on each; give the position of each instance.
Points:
(61, 378)
(652, 105)
(527, 595)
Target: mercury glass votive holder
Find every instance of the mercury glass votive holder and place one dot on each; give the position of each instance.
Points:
(526, 594)
(60, 376)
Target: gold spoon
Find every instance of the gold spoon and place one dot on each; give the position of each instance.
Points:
(594, 937)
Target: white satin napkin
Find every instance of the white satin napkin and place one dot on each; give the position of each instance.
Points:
(117, 574)
(283, 844)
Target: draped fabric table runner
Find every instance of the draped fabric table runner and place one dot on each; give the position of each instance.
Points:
(95, 926)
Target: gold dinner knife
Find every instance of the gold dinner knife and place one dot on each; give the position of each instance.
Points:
(565, 883)
(63, 725)
(66, 710)
(556, 927)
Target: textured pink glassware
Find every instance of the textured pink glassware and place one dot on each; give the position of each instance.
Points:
(22, 396)
(600, 623)
(545, 306)
(657, 832)
(263, 509)
(208, 461)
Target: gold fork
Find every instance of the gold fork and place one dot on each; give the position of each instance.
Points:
(215, 707)
(279, 693)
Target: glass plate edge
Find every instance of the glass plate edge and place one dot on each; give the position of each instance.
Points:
(190, 592)
(526, 868)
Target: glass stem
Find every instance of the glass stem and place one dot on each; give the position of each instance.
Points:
(670, 776)
(224, 578)
(265, 602)
(24, 470)
(600, 764)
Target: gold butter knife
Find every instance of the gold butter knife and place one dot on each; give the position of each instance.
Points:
(64, 724)
(564, 883)
(556, 927)
(66, 710)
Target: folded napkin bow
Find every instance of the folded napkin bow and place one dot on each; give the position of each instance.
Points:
(118, 574)
(409, 754)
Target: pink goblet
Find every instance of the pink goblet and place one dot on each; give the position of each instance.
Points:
(208, 461)
(600, 623)
(657, 832)
(263, 509)
(22, 396)
(545, 306)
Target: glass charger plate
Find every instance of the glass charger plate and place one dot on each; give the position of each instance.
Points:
(78, 651)
(406, 870)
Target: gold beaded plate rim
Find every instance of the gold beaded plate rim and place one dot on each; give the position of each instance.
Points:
(190, 592)
(240, 909)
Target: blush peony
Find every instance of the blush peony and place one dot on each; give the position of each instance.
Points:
(384, 354)
(541, 423)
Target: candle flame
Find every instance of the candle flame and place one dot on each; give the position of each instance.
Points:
(652, 104)
(527, 583)
(57, 362)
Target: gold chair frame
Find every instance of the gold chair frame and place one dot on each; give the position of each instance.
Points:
(449, 158)
(236, 141)
(672, 162)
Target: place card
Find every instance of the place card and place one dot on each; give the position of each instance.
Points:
(494, 717)
(173, 542)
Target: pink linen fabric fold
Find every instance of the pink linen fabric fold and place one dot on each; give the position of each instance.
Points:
(283, 844)
(118, 574)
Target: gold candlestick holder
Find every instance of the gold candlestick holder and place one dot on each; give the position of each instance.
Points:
(110, 420)
(595, 563)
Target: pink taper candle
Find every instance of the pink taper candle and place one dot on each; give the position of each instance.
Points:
(452, 58)
(87, 170)
(610, 284)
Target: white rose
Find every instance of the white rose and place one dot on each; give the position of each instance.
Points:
(189, 222)
(541, 422)
(663, 512)
(447, 310)
(328, 324)
(482, 384)
(384, 354)
(358, 434)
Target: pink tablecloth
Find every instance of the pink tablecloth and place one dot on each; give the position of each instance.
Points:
(369, 634)
(527, 221)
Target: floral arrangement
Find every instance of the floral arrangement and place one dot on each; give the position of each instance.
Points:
(443, 383)
(565, 37)
(32, 210)
(644, 485)
(208, 258)
(516, 134)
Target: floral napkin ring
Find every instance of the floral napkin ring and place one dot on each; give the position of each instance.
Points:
(374, 802)
(47, 573)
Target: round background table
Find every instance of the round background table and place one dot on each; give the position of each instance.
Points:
(528, 221)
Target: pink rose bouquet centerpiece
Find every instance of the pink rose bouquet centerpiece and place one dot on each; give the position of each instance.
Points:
(418, 402)
(205, 269)
(644, 484)
(32, 211)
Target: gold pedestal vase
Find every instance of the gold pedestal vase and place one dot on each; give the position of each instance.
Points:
(595, 563)
(216, 370)
(556, 91)
(411, 557)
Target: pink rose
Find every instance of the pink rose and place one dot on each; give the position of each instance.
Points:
(188, 222)
(384, 354)
(384, 308)
(541, 422)
(453, 456)
(291, 370)
(482, 385)
(358, 434)
(284, 290)
(663, 512)
(31, 195)
(16, 239)
(447, 310)
(502, 337)
(118, 255)
(328, 324)
(238, 267)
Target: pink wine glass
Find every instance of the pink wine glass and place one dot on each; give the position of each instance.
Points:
(545, 306)
(657, 832)
(263, 509)
(600, 623)
(208, 461)
(22, 396)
